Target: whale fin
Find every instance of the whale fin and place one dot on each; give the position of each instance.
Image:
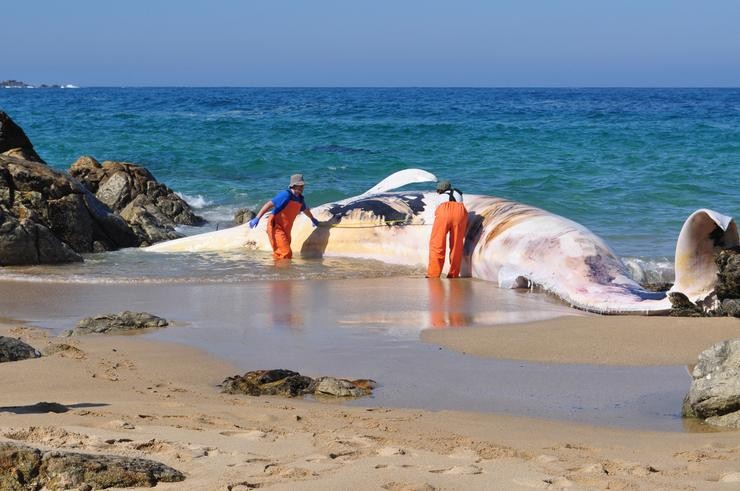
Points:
(702, 235)
(401, 178)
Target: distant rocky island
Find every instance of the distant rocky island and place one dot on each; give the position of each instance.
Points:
(17, 84)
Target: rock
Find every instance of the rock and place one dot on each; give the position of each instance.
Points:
(150, 208)
(116, 323)
(47, 217)
(730, 307)
(269, 382)
(728, 277)
(714, 394)
(12, 349)
(339, 388)
(14, 142)
(243, 215)
(681, 306)
(26, 468)
(292, 384)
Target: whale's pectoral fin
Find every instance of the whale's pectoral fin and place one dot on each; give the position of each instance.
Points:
(399, 179)
(703, 234)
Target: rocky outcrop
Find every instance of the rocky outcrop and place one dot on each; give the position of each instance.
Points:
(26, 468)
(728, 278)
(116, 323)
(291, 384)
(14, 142)
(150, 208)
(12, 349)
(715, 390)
(48, 217)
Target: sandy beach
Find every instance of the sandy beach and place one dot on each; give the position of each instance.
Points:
(146, 397)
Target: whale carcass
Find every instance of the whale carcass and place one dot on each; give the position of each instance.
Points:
(512, 244)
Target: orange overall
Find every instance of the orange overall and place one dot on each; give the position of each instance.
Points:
(278, 230)
(449, 217)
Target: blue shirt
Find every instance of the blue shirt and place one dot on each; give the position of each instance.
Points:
(282, 199)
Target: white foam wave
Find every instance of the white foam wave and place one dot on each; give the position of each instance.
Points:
(650, 270)
(196, 202)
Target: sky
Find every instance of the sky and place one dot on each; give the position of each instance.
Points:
(378, 43)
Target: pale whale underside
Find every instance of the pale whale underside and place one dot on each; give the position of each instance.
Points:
(512, 244)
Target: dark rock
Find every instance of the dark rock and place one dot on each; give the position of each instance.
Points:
(149, 207)
(656, 287)
(291, 384)
(714, 394)
(116, 323)
(730, 307)
(12, 349)
(269, 382)
(681, 306)
(728, 277)
(14, 142)
(243, 215)
(26, 468)
(47, 217)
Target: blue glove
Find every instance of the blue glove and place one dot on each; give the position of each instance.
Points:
(315, 222)
(253, 222)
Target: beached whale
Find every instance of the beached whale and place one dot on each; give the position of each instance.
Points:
(512, 244)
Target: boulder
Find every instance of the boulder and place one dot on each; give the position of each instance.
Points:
(116, 323)
(12, 349)
(14, 142)
(728, 277)
(151, 209)
(27, 468)
(243, 215)
(714, 394)
(291, 384)
(681, 306)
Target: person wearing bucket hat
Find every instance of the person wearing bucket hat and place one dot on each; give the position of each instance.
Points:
(450, 217)
(285, 206)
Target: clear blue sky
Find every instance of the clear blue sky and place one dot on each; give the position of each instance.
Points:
(372, 42)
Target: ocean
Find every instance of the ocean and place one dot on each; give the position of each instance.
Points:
(630, 164)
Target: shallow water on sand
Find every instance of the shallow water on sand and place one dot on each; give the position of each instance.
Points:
(369, 328)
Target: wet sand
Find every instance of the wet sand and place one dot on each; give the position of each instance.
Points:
(129, 395)
(156, 395)
(603, 340)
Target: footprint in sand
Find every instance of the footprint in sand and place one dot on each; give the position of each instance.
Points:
(459, 470)
(253, 435)
(402, 486)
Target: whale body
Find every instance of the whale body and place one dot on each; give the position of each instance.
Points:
(512, 244)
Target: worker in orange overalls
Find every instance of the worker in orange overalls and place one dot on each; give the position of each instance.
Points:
(285, 206)
(449, 217)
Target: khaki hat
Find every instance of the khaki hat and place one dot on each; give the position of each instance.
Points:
(296, 180)
(443, 186)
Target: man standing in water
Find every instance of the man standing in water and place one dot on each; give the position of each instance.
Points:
(449, 217)
(285, 206)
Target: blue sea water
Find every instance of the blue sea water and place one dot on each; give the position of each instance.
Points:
(630, 164)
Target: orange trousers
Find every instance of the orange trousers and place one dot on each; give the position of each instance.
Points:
(450, 217)
(278, 230)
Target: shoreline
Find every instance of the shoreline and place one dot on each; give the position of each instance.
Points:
(130, 395)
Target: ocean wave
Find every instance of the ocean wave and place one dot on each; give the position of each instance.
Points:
(650, 270)
(196, 202)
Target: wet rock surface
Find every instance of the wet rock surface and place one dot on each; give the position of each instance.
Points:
(116, 323)
(292, 384)
(26, 468)
(12, 349)
(46, 216)
(149, 207)
(714, 395)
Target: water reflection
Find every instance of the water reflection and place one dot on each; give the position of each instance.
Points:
(285, 310)
(448, 303)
